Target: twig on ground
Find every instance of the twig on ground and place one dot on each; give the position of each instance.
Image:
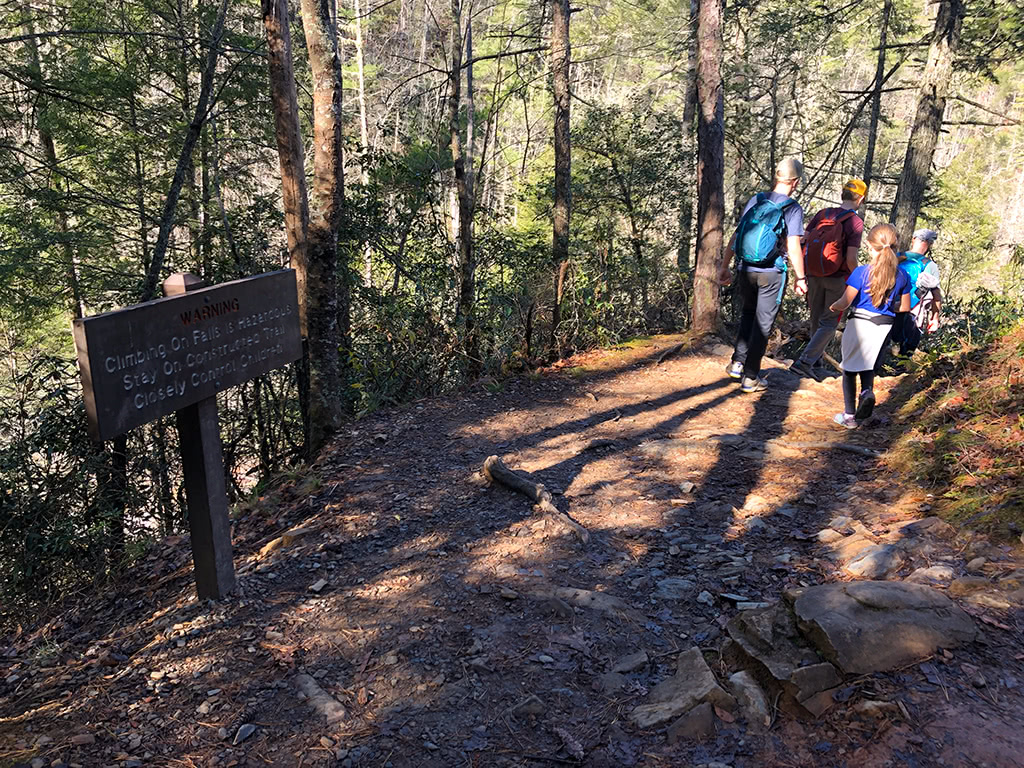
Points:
(496, 471)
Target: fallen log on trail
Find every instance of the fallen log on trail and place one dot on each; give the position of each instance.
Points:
(496, 471)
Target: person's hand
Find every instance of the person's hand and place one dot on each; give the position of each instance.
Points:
(833, 308)
(725, 275)
(801, 286)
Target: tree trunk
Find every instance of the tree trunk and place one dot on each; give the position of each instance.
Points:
(710, 166)
(931, 103)
(326, 305)
(560, 60)
(364, 132)
(689, 110)
(149, 287)
(876, 97)
(464, 311)
(289, 141)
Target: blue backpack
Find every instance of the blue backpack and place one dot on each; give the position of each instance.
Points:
(760, 229)
(913, 265)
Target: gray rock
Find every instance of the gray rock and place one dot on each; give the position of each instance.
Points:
(696, 725)
(932, 526)
(692, 684)
(873, 626)
(814, 679)
(610, 682)
(631, 663)
(756, 525)
(674, 588)
(977, 565)
(244, 732)
(751, 700)
(706, 598)
(935, 574)
(875, 562)
(829, 536)
(849, 548)
(531, 705)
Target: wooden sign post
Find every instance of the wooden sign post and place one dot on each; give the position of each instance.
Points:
(174, 355)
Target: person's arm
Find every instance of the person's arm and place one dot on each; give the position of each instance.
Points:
(796, 258)
(844, 301)
(904, 303)
(725, 270)
(851, 257)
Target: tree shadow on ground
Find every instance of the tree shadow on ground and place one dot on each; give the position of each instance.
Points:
(435, 628)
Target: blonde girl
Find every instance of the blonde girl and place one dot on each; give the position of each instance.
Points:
(876, 291)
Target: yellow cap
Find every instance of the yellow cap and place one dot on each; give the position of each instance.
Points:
(856, 186)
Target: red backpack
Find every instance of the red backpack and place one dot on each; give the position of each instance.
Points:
(825, 249)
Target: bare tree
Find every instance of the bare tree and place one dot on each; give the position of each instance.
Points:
(710, 166)
(876, 97)
(561, 55)
(152, 279)
(464, 313)
(931, 104)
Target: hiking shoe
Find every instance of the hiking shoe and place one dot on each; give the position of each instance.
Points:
(865, 405)
(735, 370)
(845, 420)
(801, 368)
(753, 385)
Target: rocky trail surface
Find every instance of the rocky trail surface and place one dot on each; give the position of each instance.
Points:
(758, 589)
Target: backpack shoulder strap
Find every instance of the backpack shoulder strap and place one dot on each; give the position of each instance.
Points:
(845, 216)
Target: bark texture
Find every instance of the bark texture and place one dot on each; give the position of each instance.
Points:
(931, 104)
(289, 141)
(561, 211)
(710, 166)
(464, 312)
(327, 200)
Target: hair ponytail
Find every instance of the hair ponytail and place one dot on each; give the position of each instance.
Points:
(882, 272)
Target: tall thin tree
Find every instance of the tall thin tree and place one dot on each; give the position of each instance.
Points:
(561, 55)
(876, 97)
(710, 166)
(931, 104)
(465, 310)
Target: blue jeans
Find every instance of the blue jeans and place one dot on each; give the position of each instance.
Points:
(760, 292)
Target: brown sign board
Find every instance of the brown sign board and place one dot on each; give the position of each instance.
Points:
(156, 358)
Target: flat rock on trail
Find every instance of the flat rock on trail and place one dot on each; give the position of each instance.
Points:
(396, 610)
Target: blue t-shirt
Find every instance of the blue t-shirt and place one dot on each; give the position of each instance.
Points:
(794, 216)
(860, 280)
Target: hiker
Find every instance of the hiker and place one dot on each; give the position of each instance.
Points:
(830, 256)
(925, 299)
(926, 295)
(769, 230)
(877, 291)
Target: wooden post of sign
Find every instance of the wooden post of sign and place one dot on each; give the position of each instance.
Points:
(203, 464)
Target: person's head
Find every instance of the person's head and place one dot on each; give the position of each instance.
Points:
(788, 173)
(881, 242)
(854, 191)
(923, 239)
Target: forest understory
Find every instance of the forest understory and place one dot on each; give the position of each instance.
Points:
(431, 619)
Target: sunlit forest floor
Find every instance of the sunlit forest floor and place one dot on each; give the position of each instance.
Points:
(422, 599)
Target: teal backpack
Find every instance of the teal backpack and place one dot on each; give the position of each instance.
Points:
(913, 265)
(759, 231)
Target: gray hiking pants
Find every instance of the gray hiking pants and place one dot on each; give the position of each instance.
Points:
(821, 293)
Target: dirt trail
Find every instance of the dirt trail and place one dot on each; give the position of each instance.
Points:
(438, 624)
